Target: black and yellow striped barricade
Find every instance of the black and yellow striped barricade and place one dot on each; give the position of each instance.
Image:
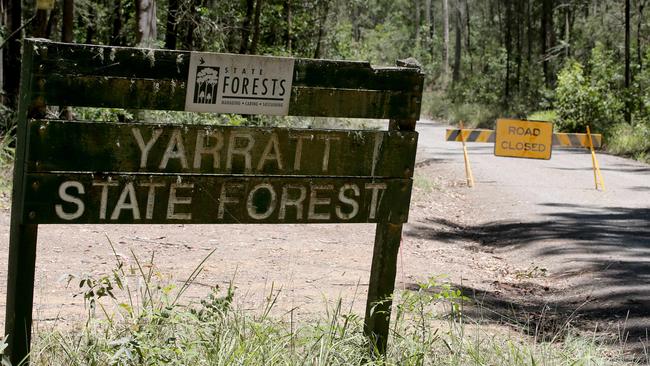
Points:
(567, 140)
(587, 140)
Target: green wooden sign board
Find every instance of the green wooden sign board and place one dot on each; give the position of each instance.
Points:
(123, 173)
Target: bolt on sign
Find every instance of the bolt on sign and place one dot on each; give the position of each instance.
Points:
(523, 139)
(158, 173)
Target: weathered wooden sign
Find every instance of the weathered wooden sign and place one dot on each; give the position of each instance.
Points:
(119, 173)
(523, 139)
(198, 149)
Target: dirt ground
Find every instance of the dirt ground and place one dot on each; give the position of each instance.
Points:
(454, 233)
(307, 266)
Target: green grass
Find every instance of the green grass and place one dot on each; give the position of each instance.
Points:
(437, 106)
(424, 184)
(549, 116)
(6, 165)
(630, 141)
(140, 320)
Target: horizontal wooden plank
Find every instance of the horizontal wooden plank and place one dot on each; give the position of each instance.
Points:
(56, 89)
(143, 63)
(321, 102)
(209, 149)
(148, 199)
(84, 91)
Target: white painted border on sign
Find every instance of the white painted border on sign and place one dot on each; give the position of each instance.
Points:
(246, 84)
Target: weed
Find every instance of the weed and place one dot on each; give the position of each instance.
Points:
(152, 326)
(549, 116)
(424, 183)
(7, 153)
(632, 141)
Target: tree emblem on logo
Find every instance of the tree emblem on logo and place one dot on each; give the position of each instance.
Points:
(206, 85)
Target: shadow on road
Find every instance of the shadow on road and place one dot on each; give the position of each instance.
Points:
(601, 255)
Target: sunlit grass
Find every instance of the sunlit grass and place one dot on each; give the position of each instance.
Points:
(136, 316)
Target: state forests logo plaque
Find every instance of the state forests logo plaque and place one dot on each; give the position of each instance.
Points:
(245, 84)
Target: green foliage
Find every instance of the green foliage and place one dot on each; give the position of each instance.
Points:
(7, 153)
(632, 141)
(151, 327)
(474, 115)
(575, 98)
(435, 105)
(549, 116)
(590, 98)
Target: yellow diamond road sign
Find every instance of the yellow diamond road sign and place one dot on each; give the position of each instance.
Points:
(523, 139)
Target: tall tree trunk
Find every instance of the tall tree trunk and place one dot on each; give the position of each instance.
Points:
(39, 26)
(518, 12)
(427, 17)
(508, 45)
(546, 32)
(430, 25)
(628, 71)
(324, 5)
(171, 33)
(287, 35)
(529, 33)
(90, 27)
(567, 29)
(356, 29)
(11, 52)
(188, 43)
(459, 42)
(52, 21)
(639, 23)
(469, 37)
(417, 20)
(246, 26)
(445, 37)
(256, 26)
(67, 36)
(116, 32)
(68, 21)
(145, 19)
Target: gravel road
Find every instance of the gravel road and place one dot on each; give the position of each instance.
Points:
(533, 240)
(587, 250)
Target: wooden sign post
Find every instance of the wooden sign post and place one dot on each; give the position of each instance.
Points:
(126, 173)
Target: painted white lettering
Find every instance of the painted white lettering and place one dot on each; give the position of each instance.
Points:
(348, 201)
(151, 198)
(225, 199)
(273, 144)
(63, 194)
(122, 204)
(203, 147)
(145, 148)
(252, 208)
(376, 198)
(175, 150)
(103, 201)
(314, 201)
(327, 150)
(285, 201)
(298, 155)
(244, 151)
(175, 200)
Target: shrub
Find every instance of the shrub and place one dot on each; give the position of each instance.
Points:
(594, 98)
(630, 140)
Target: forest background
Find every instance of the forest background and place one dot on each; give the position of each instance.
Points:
(574, 62)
